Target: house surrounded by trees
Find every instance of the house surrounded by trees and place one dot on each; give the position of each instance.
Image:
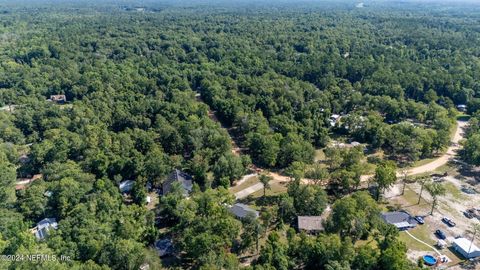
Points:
(181, 177)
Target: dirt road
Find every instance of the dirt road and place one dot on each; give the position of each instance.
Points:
(442, 160)
(451, 151)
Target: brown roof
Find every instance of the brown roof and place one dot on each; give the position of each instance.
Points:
(310, 223)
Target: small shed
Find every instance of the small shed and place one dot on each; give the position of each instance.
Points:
(466, 248)
(310, 224)
(241, 210)
(462, 107)
(441, 244)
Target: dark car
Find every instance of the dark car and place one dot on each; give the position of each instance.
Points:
(468, 214)
(440, 234)
(164, 247)
(449, 222)
(420, 220)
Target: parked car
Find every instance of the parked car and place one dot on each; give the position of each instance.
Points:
(440, 234)
(449, 222)
(468, 214)
(420, 220)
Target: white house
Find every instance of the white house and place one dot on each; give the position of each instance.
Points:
(126, 186)
(466, 248)
(334, 119)
(462, 107)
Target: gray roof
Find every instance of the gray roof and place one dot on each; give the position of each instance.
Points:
(310, 223)
(241, 210)
(47, 222)
(44, 226)
(183, 178)
(400, 219)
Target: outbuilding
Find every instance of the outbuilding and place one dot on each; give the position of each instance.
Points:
(462, 107)
(241, 211)
(466, 248)
(310, 224)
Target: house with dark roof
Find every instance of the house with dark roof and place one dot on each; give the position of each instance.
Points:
(241, 210)
(400, 219)
(43, 227)
(310, 224)
(177, 176)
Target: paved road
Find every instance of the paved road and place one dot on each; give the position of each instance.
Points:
(442, 160)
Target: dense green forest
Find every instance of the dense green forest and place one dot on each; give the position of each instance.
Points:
(142, 82)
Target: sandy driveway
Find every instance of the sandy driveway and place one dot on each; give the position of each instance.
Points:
(451, 151)
(442, 160)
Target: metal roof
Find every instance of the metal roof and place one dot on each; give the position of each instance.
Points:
(310, 223)
(399, 219)
(241, 210)
(464, 244)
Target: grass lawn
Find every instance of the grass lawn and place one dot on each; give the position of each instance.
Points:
(250, 181)
(411, 197)
(421, 162)
(369, 168)
(454, 191)
(463, 117)
(275, 189)
(154, 200)
(370, 241)
(450, 169)
(422, 232)
(319, 155)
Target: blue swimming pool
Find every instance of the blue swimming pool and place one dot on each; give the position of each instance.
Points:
(429, 260)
